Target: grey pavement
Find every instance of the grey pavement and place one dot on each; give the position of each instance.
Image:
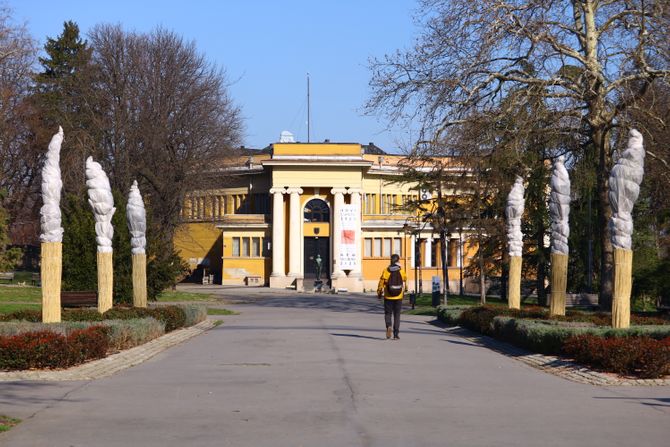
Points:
(316, 370)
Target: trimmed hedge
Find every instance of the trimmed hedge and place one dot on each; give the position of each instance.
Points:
(174, 317)
(123, 334)
(47, 349)
(640, 356)
(549, 336)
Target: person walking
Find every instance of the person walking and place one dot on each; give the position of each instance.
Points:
(391, 286)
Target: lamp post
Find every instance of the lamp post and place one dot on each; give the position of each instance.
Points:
(413, 231)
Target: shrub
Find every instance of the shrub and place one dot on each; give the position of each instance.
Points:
(450, 314)
(34, 316)
(124, 334)
(479, 319)
(174, 317)
(641, 356)
(47, 349)
(539, 336)
(195, 313)
(81, 315)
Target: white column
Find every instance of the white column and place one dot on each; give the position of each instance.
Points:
(277, 231)
(412, 247)
(338, 201)
(428, 252)
(460, 251)
(295, 224)
(356, 272)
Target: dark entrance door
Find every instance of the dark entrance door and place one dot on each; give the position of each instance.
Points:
(316, 246)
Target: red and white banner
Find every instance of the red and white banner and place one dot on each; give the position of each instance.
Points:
(350, 221)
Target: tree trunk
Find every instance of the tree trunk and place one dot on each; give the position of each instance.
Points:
(482, 275)
(602, 145)
(541, 265)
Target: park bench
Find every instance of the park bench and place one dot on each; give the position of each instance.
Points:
(79, 299)
(585, 300)
(7, 276)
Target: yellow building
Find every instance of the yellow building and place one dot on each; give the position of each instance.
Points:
(289, 206)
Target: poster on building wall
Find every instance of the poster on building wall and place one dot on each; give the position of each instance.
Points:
(349, 219)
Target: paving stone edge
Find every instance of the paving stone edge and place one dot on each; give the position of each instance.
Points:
(554, 365)
(114, 363)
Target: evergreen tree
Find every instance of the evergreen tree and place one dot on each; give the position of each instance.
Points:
(62, 98)
(9, 257)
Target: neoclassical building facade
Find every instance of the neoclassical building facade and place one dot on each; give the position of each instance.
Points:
(305, 214)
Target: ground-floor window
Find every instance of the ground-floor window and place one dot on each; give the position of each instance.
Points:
(248, 247)
(382, 247)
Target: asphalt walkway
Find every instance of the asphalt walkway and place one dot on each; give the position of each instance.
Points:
(316, 370)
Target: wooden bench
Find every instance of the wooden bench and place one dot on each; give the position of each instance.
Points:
(588, 300)
(7, 276)
(79, 299)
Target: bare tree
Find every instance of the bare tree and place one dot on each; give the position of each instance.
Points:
(590, 61)
(163, 115)
(17, 163)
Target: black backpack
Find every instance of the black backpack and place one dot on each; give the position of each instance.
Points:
(394, 285)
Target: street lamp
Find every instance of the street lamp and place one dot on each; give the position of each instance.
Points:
(414, 231)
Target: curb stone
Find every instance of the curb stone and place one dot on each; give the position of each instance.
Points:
(114, 363)
(557, 366)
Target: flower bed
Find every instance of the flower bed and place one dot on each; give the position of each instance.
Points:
(47, 349)
(26, 343)
(532, 330)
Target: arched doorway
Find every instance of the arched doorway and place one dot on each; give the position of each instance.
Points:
(316, 217)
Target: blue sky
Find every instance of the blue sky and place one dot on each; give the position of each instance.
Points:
(267, 48)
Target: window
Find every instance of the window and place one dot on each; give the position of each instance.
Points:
(370, 204)
(433, 253)
(387, 248)
(249, 247)
(397, 246)
(377, 247)
(367, 249)
(255, 247)
(316, 210)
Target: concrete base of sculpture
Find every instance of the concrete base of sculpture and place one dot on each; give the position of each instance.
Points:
(559, 283)
(282, 282)
(140, 280)
(623, 279)
(350, 284)
(514, 283)
(50, 269)
(105, 281)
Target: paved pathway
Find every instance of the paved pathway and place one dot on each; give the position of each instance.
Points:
(315, 370)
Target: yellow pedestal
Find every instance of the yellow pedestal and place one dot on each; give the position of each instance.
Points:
(623, 281)
(559, 283)
(140, 280)
(105, 281)
(51, 268)
(514, 283)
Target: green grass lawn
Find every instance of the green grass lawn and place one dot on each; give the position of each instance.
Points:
(215, 311)
(20, 294)
(169, 295)
(424, 306)
(6, 308)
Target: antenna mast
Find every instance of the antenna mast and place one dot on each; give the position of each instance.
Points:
(308, 123)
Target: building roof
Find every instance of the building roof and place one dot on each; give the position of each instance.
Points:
(372, 149)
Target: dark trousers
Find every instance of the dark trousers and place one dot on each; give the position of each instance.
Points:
(392, 307)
